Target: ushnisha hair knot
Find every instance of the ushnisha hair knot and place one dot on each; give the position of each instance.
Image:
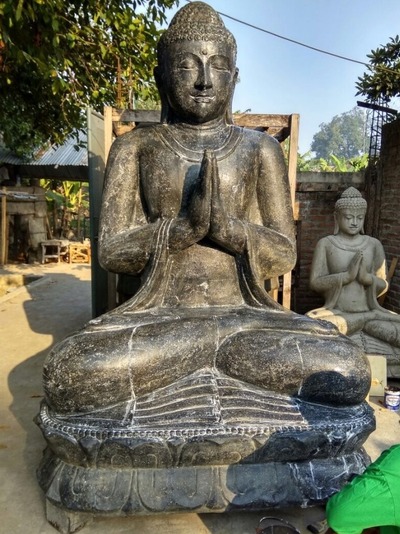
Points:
(351, 198)
(196, 21)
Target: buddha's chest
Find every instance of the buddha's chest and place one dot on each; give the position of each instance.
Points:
(168, 182)
(339, 259)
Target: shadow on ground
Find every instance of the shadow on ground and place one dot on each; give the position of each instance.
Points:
(53, 310)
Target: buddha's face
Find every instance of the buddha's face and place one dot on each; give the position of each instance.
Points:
(198, 79)
(350, 220)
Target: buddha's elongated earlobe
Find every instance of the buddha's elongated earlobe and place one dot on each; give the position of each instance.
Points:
(165, 107)
(336, 228)
(229, 112)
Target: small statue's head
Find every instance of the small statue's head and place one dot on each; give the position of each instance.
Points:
(196, 72)
(350, 210)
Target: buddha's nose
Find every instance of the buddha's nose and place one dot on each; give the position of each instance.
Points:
(204, 78)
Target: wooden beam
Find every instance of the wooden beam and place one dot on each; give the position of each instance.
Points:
(272, 123)
(253, 120)
(275, 125)
(135, 115)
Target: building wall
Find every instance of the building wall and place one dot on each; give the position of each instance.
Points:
(389, 209)
(26, 222)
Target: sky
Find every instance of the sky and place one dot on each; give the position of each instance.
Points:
(277, 76)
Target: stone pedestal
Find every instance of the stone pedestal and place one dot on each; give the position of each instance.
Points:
(228, 447)
(377, 348)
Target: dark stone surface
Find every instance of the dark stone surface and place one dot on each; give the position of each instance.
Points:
(199, 393)
(200, 489)
(225, 446)
(207, 418)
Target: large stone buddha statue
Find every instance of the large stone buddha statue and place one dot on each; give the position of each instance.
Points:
(200, 370)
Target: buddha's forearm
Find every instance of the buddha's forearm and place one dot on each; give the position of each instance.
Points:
(127, 251)
(230, 233)
(276, 252)
(323, 283)
(183, 233)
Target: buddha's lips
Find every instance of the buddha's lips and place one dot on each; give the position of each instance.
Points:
(203, 99)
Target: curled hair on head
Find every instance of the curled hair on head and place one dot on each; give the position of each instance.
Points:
(351, 198)
(196, 21)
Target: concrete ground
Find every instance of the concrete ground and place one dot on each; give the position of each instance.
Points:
(32, 319)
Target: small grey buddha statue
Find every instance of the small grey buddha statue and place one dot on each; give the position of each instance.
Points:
(349, 270)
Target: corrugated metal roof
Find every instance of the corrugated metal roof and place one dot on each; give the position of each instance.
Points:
(66, 154)
(6, 156)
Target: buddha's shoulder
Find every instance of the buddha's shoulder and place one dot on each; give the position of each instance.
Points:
(373, 241)
(259, 138)
(138, 135)
(333, 240)
(328, 241)
(357, 243)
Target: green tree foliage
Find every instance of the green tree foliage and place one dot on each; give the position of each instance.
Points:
(346, 136)
(67, 204)
(59, 56)
(382, 80)
(306, 163)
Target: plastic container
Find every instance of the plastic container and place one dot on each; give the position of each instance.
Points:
(392, 398)
(275, 525)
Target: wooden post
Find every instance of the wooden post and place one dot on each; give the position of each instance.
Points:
(3, 226)
(7, 237)
(108, 139)
(108, 130)
(55, 219)
(78, 227)
(390, 275)
(292, 160)
(97, 156)
(292, 166)
(48, 228)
